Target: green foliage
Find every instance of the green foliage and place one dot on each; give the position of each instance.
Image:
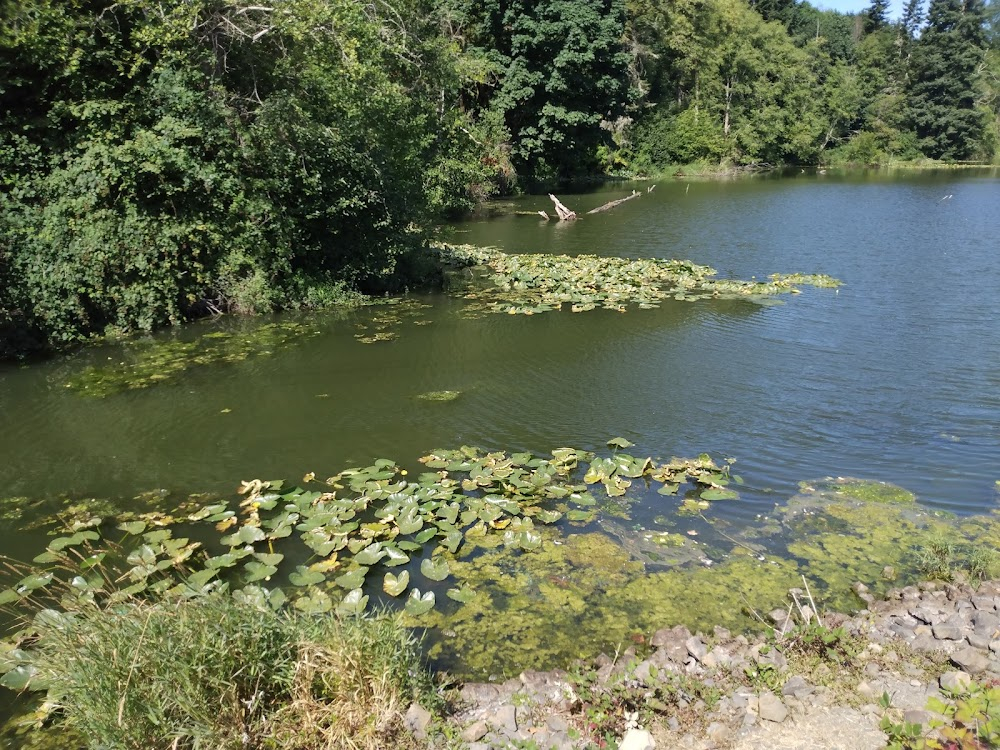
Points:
(191, 157)
(564, 71)
(945, 558)
(970, 718)
(219, 671)
(944, 70)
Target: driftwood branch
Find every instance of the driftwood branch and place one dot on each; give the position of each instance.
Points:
(564, 213)
(612, 204)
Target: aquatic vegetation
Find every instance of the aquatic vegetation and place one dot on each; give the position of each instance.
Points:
(538, 548)
(439, 395)
(362, 521)
(526, 284)
(151, 362)
(865, 490)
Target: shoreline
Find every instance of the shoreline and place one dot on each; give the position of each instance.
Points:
(832, 683)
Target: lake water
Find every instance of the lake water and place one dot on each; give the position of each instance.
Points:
(895, 376)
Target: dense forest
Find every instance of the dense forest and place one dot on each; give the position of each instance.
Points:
(164, 160)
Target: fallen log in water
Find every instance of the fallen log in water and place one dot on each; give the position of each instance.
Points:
(612, 204)
(564, 213)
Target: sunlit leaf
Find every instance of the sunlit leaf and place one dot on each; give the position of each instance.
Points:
(396, 585)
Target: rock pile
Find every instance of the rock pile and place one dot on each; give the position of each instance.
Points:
(917, 642)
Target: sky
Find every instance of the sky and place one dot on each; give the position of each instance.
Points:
(853, 6)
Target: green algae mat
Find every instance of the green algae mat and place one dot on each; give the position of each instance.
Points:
(507, 560)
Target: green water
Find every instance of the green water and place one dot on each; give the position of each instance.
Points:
(895, 376)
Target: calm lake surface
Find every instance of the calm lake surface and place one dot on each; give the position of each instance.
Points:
(894, 377)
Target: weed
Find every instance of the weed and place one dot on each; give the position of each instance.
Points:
(970, 719)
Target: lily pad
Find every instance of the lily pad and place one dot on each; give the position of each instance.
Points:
(396, 585)
(303, 576)
(418, 604)
(439, 395)
(352, 579)
(435, 568)
(354, 603)
(463, 594)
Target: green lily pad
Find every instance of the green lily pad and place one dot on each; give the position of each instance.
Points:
(396, 585)
(464, 594)
(439, 395)
(133, 527)
(370, 555)
(620, 442)
(35, 581)
(435, 568)
(246, 535)
(258, 571)
(394, 556)
(317, 602)
(418, 604)
(352, 579)
(354, 603)
(19, 678)
(717, 494)
(198, 580)
(305, 577)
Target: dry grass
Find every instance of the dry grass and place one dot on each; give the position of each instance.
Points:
(338, 702)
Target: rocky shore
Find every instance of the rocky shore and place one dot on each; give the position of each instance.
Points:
(826, 682)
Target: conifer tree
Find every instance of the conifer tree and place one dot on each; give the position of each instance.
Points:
(944, 69)
(876, 16)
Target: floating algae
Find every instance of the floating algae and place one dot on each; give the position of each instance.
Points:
(487, 549)
(147, 363)
(535, 283)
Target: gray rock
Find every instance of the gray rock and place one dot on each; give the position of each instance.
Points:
(417, 720)
(945, 632)
(798, 687)
(504, 719)
(778, 617)
(637, 739)
(719, 733)
(971, 660)
(925, 644)
(669, 645)
(954, 681)
(479, 746)
(475, 732)
(545, 687)
(479, 693)
(916, 716)
(643, 672)
(556, 723)
(696, 647)
(770, 707)
(984, 603)
(866, 691)
(978, 641)
(986, 624)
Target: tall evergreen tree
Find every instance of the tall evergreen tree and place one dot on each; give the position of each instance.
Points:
(876, 16)
(944, 69)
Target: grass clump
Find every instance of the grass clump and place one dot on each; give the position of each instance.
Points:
(222, 672)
